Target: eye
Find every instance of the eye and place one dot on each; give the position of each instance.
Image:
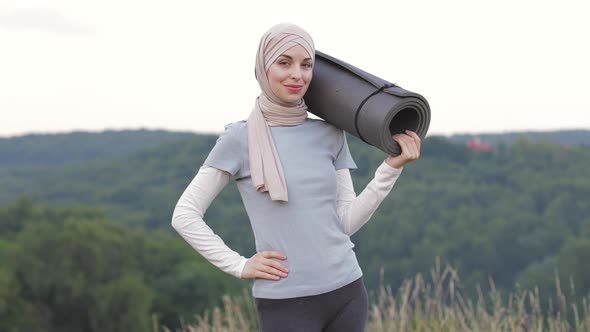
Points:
(284, 63)
(308, 65)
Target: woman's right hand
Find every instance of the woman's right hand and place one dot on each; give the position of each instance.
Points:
(262, 266)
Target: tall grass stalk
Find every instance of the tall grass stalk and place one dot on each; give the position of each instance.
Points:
(436, 305)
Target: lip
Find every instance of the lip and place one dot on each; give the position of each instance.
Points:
(294, 88)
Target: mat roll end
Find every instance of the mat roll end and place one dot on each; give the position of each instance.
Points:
(364, 105)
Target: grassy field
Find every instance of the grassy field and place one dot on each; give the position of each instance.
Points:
(433, 305)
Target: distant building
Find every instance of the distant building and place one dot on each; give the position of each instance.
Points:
(478, 145)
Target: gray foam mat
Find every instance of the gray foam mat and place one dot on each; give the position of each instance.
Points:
(364, 105)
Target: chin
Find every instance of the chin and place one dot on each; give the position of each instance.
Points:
(291, 99)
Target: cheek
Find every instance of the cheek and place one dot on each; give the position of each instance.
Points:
(307, 76)
(270, 75)
(275, 76)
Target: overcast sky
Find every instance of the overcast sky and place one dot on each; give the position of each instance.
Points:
(488, 66)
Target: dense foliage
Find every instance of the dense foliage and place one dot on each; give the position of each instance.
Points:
(46, 149)
(70, 269)
(518, 213)
(565, 137)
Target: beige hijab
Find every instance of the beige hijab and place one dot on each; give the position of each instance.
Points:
(265, 165)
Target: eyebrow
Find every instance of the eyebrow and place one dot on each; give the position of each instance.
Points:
(291, 58)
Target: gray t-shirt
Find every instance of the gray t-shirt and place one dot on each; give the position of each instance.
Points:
(307, 228)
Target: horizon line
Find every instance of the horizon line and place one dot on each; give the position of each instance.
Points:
(142, 128)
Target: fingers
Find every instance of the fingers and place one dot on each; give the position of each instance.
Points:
(272, 254)
(262, 266)
(409, 148)
(277, 265)
(410, 144)
(265, 271)
(417, 138)
(268, 276)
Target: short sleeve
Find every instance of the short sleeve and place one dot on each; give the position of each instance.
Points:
(226, 155)
(344, 158)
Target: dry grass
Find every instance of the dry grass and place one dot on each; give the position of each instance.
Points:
(237, 314)
(436, 305)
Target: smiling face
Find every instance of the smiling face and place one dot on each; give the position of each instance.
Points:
(290, 74)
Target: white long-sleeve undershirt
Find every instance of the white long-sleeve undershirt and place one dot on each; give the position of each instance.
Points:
(354, 211)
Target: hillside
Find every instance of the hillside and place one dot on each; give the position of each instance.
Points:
(60, 149)
(565, 137)
(515, 213)
(506, 212)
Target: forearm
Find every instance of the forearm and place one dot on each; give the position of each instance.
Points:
(188, 221)
(355, 211)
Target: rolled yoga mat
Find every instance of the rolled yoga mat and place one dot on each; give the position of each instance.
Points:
(364, 105)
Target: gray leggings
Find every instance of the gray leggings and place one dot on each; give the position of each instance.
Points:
(343, 309)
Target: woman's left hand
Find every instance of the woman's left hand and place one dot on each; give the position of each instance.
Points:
(410, 144)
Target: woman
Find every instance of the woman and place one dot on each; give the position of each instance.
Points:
(293, 176)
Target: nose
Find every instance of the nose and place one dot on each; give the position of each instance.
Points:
(296, 73)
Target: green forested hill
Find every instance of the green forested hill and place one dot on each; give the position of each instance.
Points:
(60, 149)
(71, 269)
(139, 187)
(516, 213)
(559, 136)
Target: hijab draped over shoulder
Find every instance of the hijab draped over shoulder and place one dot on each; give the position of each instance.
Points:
(265, 165)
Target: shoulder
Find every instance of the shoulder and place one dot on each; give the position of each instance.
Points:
(325, 126)
(235, 130)
(232, 135)
(235, 127)
(330, 135)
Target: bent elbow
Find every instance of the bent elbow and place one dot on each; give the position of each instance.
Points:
(176, 221)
